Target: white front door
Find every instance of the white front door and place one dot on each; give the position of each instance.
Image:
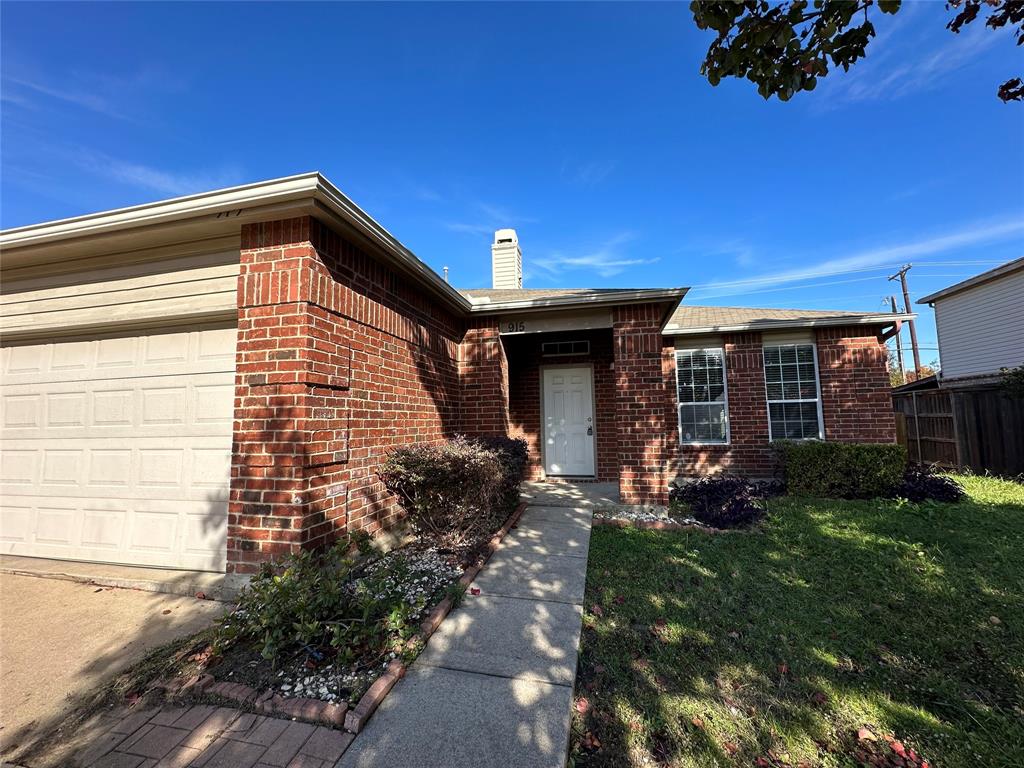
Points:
(568, 421)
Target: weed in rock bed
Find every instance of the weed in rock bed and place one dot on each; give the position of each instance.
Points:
(323, 624)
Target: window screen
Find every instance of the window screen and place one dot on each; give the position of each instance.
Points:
(791, 383)
(700, 385)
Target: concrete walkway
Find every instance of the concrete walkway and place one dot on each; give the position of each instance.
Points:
(494, 685)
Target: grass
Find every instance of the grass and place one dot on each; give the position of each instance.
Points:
(775, 647)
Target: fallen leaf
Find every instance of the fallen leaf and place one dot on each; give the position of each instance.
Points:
(994, 620)
(582, 705)
(98, 589)
(730, 748)
(474, 590)
(820, 698)
(166, 611)
(596, 610)
(697, 722)
(865, 734)
(783, 669)
(200, 595)
(620, 599)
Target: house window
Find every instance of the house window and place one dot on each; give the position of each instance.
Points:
(702, 396)
(552, 348)
(791, 384)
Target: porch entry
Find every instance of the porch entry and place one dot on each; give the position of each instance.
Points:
(568, 403)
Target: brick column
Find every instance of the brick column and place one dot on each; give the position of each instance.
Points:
(640, 405)
(483, 371)
(290, 411)
(856, 396)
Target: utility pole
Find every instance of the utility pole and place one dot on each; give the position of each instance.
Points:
(902, 277)
(899, 344)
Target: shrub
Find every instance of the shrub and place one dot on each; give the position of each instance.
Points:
(842, 470)
(458, 489)
(724, 501)
(512, 456)
(336, 599)
(923, 484)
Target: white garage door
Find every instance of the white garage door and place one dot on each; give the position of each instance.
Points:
(118, 448)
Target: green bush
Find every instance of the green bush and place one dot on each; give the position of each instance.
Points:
(452, 491)
(512, 456)
(337, 600)
(842, 470)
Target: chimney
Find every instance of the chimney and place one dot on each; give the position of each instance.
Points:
(506, 260)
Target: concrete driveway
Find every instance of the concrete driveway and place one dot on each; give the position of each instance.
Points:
(59, 639)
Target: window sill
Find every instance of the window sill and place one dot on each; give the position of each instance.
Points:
(704, 445)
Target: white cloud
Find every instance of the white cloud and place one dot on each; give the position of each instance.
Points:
(885, 256)
(78, 97)
(487, 218)
(587, 174)
(607, 259)
(157, 179)
(897, 65)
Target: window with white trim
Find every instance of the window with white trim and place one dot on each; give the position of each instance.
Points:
(701, 396)
(791, 385)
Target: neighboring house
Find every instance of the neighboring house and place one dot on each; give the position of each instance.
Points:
(961, 418)
(212, 381)
(980, 324)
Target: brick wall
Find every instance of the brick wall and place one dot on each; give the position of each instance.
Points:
(641, 398)
(856, 401)
(339, 358)
(856, 397)
(483, 370)
(748, 452)
(524, 366)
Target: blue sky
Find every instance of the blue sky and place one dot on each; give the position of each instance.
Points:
(587, 127)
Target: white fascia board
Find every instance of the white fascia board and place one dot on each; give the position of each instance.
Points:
(973, 282)
(770, 325)
(190, 206)
(340, 205)
(224, 203)
(579, 300)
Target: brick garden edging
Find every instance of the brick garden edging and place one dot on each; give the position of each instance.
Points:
(339, 715)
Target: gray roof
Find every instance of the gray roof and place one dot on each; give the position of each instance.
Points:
(971, 282)
(697, 319)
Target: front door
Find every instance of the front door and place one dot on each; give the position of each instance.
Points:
(569, 421)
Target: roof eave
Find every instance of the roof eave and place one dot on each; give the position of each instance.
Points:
(302, 191)
(974, 282)
(774, 325)
(642, 296)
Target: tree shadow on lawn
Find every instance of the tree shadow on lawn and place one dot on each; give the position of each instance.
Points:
(780, 644)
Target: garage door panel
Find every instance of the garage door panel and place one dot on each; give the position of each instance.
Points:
(200, 405)
(183, 534)
(147, 470)
(187, 352)
(119, 448)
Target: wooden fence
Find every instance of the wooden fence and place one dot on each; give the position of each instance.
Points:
(980, 429)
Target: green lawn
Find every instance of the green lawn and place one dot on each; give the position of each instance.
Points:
(775, 647)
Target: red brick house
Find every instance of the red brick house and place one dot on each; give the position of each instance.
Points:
(212, 381)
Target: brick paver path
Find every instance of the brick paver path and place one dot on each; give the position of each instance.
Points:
(205, 736)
